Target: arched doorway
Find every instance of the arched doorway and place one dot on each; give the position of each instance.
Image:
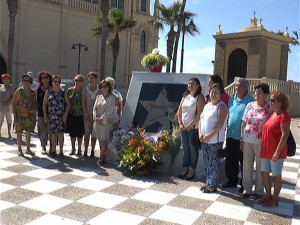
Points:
(237, 65)
(3, 68)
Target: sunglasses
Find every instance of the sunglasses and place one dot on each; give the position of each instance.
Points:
(104, 86)
(78, 80)
(45, 78)
(56, 81)
(272, 100)
(26, 80)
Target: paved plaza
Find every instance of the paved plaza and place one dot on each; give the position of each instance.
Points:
(40, 190)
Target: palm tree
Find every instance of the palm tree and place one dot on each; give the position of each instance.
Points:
(104, 6)
(167, 16)
(116, 24)
(13, 10)
(177, 36)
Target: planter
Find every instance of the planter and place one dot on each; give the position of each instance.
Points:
(143, 172)
(157, 69)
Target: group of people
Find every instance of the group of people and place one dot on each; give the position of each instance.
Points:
(243, 128)
(90, 111)
(246, 128)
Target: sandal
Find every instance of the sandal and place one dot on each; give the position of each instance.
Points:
(100, 162)
(203, 187)
(209, 190)
(264, 200)
(20, 153)
(29, 152)
(271, 203)
(245, 195)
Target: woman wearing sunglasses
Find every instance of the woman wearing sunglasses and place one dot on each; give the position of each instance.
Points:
(56, 107)
(24, 110)
(103, 115)
(274, 149)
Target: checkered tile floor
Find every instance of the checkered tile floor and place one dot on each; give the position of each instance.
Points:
(40, 190)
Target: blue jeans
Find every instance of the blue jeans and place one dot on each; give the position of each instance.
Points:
(190, 152)
(211, 163)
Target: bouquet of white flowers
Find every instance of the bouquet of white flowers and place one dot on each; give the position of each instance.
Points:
(121, 137)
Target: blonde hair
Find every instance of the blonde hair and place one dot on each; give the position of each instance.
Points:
(80, 77)
(282, 98)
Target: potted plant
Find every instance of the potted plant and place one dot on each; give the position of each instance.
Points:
(154, 61)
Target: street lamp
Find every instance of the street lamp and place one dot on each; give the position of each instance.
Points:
(191, 27)
(79, 46)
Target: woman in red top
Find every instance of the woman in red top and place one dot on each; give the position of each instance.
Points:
(274, 149)
(216, 79)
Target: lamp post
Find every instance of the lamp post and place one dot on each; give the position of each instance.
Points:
(191, 27)
(79, 46)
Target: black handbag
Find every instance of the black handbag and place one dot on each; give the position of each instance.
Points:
(291, 145)
(195, 139)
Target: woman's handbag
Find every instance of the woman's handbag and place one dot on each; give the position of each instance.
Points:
(195, 139)
(291, 145)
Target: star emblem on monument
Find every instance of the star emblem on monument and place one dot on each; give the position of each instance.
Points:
(159, 110)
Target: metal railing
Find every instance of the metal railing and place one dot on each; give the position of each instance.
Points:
(78, 4)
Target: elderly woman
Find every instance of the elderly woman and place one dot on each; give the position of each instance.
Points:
(212, 135)
(103, 114)
(89, 94)
(56, 107)
(255, 116)
(45, 81)
(24, 110)
(6, 97)
(189, 111)
(75, 122)
(273, 148)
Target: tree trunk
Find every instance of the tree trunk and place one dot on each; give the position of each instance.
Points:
(12, 6)
(104, 6)
(170, 44)
(115, 53)
(177, 37)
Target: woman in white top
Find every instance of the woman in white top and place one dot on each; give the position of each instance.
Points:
(212, 135)
(103, 114)
(189, 112)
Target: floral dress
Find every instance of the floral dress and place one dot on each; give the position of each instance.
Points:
(56, 110)
(25, 110)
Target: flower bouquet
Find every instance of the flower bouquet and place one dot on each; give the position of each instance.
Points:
(154, 60)
(141, 154)
(121, 137)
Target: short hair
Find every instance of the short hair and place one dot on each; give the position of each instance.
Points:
(56, 76)
(111, 80)
(244, 82)
(218, 80)
(5, 75)
(27, 75)
(40, 77)
(216, 86)
(80, 77)
(282, 98)
(264, 87)
(107, 83)
(92, 73)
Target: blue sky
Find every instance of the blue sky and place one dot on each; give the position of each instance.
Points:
(233, 15)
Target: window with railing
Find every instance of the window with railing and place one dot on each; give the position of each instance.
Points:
(144, 5)
(143, 42)
(117, 4)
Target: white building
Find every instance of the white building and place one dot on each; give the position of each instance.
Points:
(46, 30)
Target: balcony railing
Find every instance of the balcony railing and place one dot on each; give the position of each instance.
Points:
(290, 88)
(78, 4)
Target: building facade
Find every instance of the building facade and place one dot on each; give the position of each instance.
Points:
(252, 52)
(46, 30)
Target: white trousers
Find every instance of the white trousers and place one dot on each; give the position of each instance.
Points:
(251, 152)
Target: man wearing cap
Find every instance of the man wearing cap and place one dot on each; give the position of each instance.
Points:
(6, 97)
